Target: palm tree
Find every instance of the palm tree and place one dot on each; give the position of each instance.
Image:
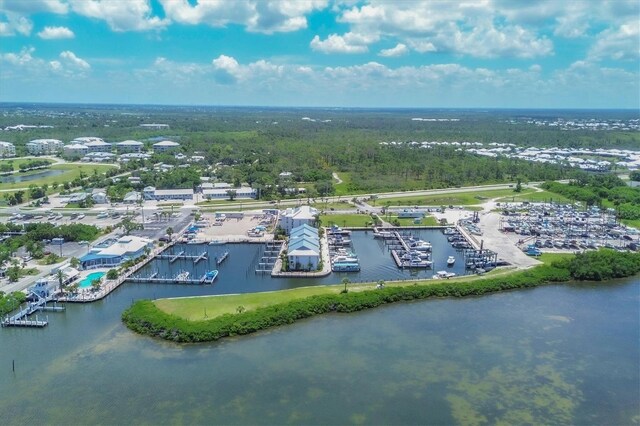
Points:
(345, 281)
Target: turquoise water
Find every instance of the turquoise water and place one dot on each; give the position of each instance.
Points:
(92, 276)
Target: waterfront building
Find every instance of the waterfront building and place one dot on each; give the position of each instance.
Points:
(44, 146)
(303, 250)
(7, 149)
(293, 217)
(74, 150)
(151, 193)
(129, 146)
(165, 146)
(112, 253)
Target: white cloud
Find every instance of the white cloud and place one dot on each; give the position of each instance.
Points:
(265, 16)
(55, 33)
(622, 43)
(70, 59)
(15, 24)
(129, 15)
(399, 50)
(227, 69)
(347, 43)
(29, 7)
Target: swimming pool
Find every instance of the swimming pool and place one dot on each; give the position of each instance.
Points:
(92, 276)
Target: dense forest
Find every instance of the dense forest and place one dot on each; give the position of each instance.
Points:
(254, 145)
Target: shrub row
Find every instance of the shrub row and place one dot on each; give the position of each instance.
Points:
(145, 318)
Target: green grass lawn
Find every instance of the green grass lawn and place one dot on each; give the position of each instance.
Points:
(18, 161)
(456, 199)
(347, 220)
(536, 197)
(71, 171)
(425, 221)
(343, 188)
(194, 308)
(552, 257)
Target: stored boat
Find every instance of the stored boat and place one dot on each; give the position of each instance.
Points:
(451, 260)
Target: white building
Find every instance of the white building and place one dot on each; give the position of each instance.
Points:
(303, 250)
(74, 150)
(44, 146)
(165, 146)
(99, 157)
(129, 146)
(294, 217)
(155, 126)
(7, 149)
(94, 144)
(151, 193)
(99, 196)
(222, 193)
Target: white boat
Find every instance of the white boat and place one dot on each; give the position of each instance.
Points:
(216, 243)
(383, 234)
(182, 276)
(420, 245)
(449, 231)
(345, 259)
(444, 274)
(451, 260)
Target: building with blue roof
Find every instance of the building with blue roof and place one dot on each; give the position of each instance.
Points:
(112, 255)
(303, 251)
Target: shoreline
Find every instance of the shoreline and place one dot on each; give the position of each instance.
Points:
(146, 317)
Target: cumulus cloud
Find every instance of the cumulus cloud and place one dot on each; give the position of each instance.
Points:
(399, 50)
(54, 33)
(15, 24)
(347, 43)
(29, 7)
(130, 15)
(73, 61)
(265, 16)
(622, 43)
(25, 64)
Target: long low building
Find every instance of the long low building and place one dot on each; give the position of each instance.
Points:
(113, 253)
(221, 193)
(151, 193)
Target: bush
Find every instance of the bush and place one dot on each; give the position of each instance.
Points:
(604, 264)
(112, 274)
(10, 302)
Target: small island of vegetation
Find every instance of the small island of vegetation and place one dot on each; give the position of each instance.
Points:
(145, 317)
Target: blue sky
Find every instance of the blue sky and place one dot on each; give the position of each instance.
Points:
(372, 53)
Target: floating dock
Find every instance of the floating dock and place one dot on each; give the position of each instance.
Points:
(222, 258)
(173, 257)
(20, 319)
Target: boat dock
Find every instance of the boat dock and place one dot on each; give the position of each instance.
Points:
(173, 257)
(20, 319)
(222, 258)
(154, 279)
